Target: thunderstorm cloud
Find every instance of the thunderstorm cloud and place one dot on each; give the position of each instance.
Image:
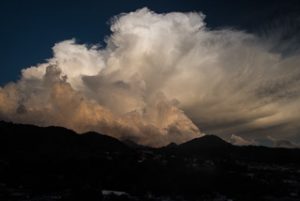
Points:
(163, 78)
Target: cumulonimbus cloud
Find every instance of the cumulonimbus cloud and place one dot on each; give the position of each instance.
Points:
(159, 79)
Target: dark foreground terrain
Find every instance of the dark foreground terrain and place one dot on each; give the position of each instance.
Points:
(49, 164)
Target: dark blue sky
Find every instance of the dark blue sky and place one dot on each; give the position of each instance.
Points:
(30, 28)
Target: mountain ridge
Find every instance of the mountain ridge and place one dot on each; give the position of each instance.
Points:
(206, 141)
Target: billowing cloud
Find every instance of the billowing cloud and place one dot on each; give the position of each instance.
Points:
(237, 140)
(159, 79)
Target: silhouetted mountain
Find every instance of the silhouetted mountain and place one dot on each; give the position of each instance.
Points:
(172, 145)
(207, 141)
(38, 163)
(134, 145)
(33, 141)
(97, 142)
(208, 144)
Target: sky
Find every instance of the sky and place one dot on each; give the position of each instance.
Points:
(238, 59)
